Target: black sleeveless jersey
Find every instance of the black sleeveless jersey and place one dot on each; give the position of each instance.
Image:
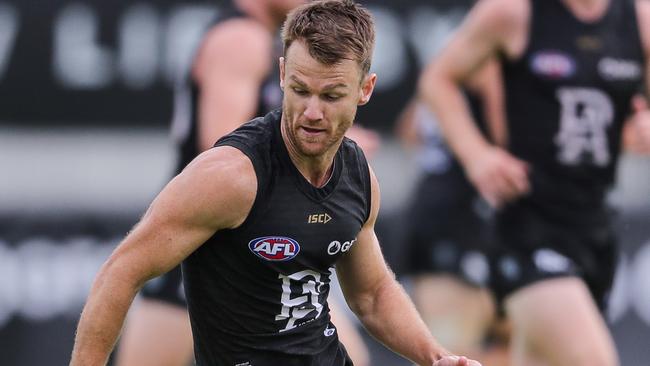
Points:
(263, 286)
(186, 99)
(567, 98)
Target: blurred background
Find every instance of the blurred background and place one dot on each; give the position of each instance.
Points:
(86, 91)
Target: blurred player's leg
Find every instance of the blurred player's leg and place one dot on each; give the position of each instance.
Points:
(448, 243)
(157, 331)
(557, 320)
(349, 334)
(459, 315)
(157, 334)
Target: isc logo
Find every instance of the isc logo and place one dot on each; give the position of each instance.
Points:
(274, 248)
(319, 218)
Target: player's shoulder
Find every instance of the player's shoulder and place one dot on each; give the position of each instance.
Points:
(252, 134)
(504, 22)
(643, 8)
(225, 167)
(217, 188)
(240, 35)
(220, 157)
(504, 15)
(237, 44)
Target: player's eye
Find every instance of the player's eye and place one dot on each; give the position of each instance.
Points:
(332, 97)
(299, 91)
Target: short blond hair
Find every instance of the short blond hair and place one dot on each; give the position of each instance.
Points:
(333, 30)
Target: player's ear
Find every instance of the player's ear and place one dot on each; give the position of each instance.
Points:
(281, 63)
(367, 86)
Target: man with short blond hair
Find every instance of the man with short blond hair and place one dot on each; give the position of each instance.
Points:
(255, 265)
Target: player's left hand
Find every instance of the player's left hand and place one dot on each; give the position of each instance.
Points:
(636, 132)
(456, 361)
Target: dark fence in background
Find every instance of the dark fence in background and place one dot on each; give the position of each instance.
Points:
(115, 62)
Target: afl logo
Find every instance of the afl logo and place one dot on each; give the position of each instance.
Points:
(552, 64)
(274, 248)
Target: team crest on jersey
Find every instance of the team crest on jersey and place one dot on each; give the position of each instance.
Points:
(274, 248)
(552, 64)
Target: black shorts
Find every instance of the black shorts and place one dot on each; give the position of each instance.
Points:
(535, 247)
(448, 229)
(167, 288)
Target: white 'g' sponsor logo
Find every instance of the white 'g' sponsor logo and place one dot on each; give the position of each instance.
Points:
(336, 246)
(619, 69)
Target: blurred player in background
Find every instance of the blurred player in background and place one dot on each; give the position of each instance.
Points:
(234, 77)
(570, 70)
(448, 229)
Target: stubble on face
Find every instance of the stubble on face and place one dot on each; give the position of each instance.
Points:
(319, 104)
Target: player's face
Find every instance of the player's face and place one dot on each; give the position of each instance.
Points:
(320, 101)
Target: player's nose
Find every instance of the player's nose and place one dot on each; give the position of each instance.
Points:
(313, 110)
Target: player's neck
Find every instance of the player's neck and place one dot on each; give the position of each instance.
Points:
(587, 10)
(317, 170)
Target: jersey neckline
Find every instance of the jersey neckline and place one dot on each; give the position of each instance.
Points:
(315, 193)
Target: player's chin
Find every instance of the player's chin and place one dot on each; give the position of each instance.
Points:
(312, 150)
(312, 145)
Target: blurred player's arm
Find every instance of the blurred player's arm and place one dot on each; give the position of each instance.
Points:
(406, 126)
(491, 27)
(643, 11)
(488, 84)
(229, 68)
(381, 303)
(636, 132)
(215, 191)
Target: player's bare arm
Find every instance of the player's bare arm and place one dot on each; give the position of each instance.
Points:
(215, 191)
(643, 12)
(232, 62)
(636, 132)
(487, 83)
(381, 303)
(493, 27)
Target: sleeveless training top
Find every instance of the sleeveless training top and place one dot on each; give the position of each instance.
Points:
(263, 286)
(566, 100)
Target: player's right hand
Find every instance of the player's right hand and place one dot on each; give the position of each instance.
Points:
(498, 176)
(456, 361)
